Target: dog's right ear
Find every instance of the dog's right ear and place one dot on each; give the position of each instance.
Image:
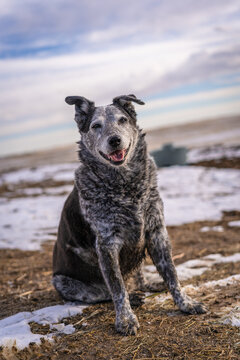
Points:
(84, 108)
(125, 102)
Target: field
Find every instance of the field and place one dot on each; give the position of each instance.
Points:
(206, 251)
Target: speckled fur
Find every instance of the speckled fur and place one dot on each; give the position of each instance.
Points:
(113, 215)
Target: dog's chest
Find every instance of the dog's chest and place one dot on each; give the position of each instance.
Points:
(121, 213)
(115, 205)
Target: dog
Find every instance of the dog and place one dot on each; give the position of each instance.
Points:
(113, 215)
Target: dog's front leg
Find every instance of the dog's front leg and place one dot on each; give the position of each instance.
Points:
(108, 255)
(159, 249)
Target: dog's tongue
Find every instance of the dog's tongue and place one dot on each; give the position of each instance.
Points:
(118, 155)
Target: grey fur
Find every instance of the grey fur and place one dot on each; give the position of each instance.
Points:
(113, 215)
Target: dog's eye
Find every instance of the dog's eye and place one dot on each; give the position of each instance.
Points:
(122, 120)
(96, 126)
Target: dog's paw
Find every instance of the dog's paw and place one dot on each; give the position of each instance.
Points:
(137, 298)
(156, 286)
(127, 325)
(192, 307)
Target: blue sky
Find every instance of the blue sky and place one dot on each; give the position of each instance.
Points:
(181, 58)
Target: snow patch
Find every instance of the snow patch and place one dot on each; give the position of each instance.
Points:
(223, 282)
(26, 222)
(196, 193)
(35, 191)
(30, 191)
(234, 223)
(212, 228)
(233, 317)
(212, 153)
(15, 330)
(230, 280)
(191, 268)
(218, 258)
(57, 172)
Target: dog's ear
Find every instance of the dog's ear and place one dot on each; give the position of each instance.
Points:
(125, 102)
(84, 108)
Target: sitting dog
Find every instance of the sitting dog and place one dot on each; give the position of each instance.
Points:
(113, 215)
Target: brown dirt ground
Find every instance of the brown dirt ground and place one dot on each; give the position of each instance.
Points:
(25, 285)
(226, 163)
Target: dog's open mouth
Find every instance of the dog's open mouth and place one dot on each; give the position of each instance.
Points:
(116, 157)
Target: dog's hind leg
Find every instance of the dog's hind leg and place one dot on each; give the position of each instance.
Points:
(143, 284)
(159, 249)
(75, 290)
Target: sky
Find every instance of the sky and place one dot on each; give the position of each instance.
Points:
(181, 58)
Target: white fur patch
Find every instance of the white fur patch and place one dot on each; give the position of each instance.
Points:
(84, 107)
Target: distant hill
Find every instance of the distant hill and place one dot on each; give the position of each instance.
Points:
(224, 130)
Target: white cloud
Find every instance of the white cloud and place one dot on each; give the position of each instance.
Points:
(145, 48)
(33, 90)
(40, 23)
(195, 113)
(219, 94)
(36, 88)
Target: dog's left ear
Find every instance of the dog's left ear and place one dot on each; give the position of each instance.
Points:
(84, 108)
(125, 102)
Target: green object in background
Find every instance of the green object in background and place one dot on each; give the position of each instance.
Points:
(169, 155)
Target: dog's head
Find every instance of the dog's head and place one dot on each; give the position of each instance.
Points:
(109, 132)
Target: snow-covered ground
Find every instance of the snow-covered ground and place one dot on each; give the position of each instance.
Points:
(57, 172)
(197, 193)
(189, 194)
(213, 152)
(218, 228)
(195, 267)
(29, 221)
(235, 223)
(15, 330)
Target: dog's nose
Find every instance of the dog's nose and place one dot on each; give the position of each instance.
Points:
(114, 141)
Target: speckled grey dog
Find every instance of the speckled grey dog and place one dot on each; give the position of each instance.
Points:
(113, 215)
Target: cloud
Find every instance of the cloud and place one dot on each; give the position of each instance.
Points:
(33, 90)
(103, 49)
(192, 113)
(204, 65)
(199, 98)
(44, 26)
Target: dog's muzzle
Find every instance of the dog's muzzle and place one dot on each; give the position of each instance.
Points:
(116, 157)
